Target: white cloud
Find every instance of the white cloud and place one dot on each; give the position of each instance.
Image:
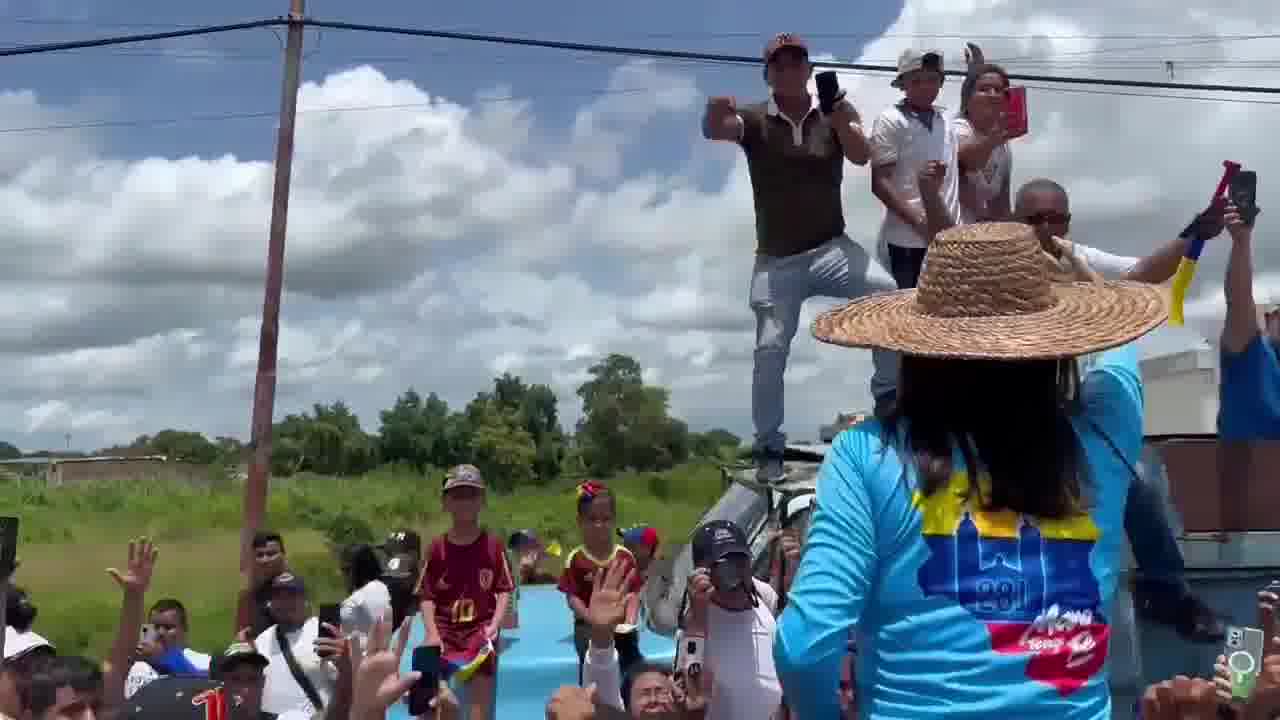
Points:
(449, 240)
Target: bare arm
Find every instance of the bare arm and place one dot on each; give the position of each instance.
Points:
(428, 610)
(1160, 265)
(721, 121)
(133, 582)
(500, 610)
(937, 217)
(882, 188)
(976, 150)
(578, 607)
(848, 127)
(1242, 324)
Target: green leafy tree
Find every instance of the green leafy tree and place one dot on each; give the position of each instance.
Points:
(9, 451)
(625, 423)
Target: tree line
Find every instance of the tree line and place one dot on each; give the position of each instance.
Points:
(512, 432)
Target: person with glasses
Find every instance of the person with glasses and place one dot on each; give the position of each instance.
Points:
(1161, 593)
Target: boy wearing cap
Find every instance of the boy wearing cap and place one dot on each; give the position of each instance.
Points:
(465, 589)
(795, 157)
(241, 670)
(732, 614)
(904, 139)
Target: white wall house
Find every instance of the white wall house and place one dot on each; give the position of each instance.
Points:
(1181, 392)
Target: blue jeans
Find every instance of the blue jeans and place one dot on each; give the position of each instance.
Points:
(838, 268)
(1147, 523)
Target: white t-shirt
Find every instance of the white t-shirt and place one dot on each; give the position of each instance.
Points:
(142, 673)
(1109, 266)
(907, 144)
(282, 692)
(739, 650)
(983, 185)
(365, 607)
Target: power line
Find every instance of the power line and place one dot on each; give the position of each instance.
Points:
(749, 60)
(652, 53)
(35, 49)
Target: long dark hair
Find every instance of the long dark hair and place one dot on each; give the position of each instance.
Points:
(971, 84)
(1009, 419)
(362, 566)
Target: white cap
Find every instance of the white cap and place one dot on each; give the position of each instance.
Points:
(17, 644)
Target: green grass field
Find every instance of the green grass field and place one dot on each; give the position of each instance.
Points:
(71, 535)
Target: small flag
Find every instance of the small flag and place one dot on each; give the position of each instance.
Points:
(554, 549)
(462, 665)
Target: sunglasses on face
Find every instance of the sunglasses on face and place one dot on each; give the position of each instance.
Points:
(1049, 217)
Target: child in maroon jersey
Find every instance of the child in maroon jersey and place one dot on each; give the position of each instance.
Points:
(465, 588)
(597, 513)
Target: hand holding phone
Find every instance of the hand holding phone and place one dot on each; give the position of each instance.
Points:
(1243, 193)
(1243, 650)
(426, 661)
(828, 91)
(331, 616)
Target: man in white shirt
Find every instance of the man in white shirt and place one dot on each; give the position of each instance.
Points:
(732, 617)
(905, 138)
(310, 687)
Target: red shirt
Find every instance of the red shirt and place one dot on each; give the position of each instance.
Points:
(464, 582)
(580, 570)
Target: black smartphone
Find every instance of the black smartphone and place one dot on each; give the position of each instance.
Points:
(828, 90)
(329, 615)
(8, 545)
(426, 660)
(1243, 192)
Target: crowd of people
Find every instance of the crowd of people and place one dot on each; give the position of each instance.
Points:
(959, 558)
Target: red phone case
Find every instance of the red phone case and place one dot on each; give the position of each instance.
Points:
(1016, 120)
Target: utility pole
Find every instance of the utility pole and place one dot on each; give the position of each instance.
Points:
(264, 391)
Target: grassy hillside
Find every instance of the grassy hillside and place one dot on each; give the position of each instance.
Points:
(70, 536)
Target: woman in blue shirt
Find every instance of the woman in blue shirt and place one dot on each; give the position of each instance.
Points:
(973, 534)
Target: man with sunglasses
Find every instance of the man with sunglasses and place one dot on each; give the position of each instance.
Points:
(1161, 594)
(795, 156)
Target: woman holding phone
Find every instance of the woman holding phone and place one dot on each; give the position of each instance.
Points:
(986, 163)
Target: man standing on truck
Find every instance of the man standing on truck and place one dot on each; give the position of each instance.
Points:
(1249, 390)
(795, 156)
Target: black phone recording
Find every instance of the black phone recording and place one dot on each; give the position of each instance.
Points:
(1243, 192)
(426, 660)
(828, 90)
(8, 545)
(329, 615)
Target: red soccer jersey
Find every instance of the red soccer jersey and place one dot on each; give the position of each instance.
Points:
(464, 582)
(580, 571)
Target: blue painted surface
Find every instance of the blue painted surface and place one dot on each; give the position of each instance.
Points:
(536, 658)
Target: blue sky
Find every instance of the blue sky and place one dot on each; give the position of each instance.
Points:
(135, 82)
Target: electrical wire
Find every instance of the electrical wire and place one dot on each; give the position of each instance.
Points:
(37, 48)
(749, 60)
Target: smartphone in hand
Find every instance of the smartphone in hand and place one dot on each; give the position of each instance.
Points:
(828, 90)
(1016, 121)
(330, 614)
(1243, 193)
(1243, 650)
(426, 660)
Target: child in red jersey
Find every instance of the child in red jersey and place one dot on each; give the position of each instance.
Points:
(465, 588)
(597, 513)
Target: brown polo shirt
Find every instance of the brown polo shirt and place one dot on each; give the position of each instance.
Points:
(795, 185)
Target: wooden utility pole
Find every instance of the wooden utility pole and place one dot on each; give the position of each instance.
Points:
(264, 391)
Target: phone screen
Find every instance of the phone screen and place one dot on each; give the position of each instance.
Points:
(426, 660)
(1017, 121)
(329, 615)
(8, 545)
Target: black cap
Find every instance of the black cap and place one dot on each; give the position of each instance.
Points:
(177, 698)
(289, 582)
(403, 542)
(717, 540)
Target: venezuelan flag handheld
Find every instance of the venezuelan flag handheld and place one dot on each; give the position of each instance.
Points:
(1187, 265)
(464, 663)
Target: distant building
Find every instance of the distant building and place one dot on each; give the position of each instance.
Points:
(1181, 393)
(62, 472)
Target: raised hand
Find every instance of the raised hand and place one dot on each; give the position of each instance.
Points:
(572, 703)
(719, 108)
(136, 577)
(378, 684)
(610, 597)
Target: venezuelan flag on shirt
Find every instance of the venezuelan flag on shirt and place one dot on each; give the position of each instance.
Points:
(1027, 580)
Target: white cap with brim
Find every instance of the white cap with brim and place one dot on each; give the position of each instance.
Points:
(17, 644)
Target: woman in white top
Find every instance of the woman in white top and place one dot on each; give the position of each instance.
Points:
(986, 163)
(369, 598)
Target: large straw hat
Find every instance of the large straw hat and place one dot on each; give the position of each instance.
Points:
(986, 292)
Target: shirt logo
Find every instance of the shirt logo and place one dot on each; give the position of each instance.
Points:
(486, 579)
(1027, 581)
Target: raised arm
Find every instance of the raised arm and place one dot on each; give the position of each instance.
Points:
(1242, 324)
(847, 124)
